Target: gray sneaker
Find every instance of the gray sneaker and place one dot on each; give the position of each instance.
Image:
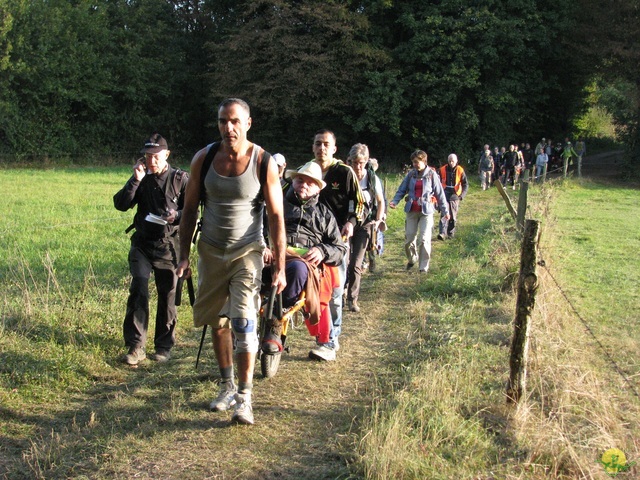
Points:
(324, 353)
(225, 399)
(243, 413)
(135, 356)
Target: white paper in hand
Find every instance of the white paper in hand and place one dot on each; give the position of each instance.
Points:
(155, 219)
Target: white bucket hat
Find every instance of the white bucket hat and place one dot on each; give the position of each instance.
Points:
(309, 169)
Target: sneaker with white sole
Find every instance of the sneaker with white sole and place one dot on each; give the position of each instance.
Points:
(225, 399)
(243, 412)
(324, 353)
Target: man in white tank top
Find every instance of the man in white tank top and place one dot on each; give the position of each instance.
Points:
(230, 250)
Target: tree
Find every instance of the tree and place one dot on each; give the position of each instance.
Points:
(298, 64)
(464, 73)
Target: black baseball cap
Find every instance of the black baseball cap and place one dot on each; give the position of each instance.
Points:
(154, 144)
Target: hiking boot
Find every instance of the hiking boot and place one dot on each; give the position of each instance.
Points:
(161, 355)
(323, 353)
(272, 341)
(353, 306)
(135, 356)
(243, 412)
(225, 399)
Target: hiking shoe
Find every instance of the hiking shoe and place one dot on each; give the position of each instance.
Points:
(161, 355)
(272, 341)
(243, 412)
(323, 353)
(353, 306)
(135, 356)
(225, 399)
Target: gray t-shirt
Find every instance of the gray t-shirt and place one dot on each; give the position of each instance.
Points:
(232, 213)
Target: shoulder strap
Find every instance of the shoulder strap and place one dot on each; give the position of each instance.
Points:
(206, 164)
(264, 165)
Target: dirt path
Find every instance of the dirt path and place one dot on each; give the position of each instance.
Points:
(307, 417)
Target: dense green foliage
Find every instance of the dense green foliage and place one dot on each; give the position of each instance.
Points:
(98, 75)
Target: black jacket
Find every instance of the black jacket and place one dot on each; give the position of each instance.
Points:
(313, 225)
(153, 194)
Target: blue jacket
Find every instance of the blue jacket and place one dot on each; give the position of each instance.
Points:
(431, 188)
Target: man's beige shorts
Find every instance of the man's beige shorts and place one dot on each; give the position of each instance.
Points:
(228, 284)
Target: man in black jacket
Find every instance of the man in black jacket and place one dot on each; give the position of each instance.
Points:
(313, 237)
(158, 191)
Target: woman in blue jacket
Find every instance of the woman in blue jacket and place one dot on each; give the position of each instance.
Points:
(423, 193)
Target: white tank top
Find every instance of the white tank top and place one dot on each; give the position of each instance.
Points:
(232, 215)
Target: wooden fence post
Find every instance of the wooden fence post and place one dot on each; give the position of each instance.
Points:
(527, 288)
(522, 202)
(506, 199)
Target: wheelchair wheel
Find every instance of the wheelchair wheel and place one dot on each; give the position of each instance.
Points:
(269, 363)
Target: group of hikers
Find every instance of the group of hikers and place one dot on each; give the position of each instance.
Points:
(307, 230)
(509, 165)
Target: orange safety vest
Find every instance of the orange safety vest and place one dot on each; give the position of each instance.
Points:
(457, 187)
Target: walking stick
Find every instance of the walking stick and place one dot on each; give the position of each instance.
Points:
(204, 332)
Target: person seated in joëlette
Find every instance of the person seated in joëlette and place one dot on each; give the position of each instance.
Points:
(314, 245)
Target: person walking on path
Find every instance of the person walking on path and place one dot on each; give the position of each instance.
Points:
(567, 155)
(541, 165)
(364, 231)
(454, 182)
(581, 152)
(421, 186)
(485, 169)
(158, 191)
(344, 198)
(231, 249)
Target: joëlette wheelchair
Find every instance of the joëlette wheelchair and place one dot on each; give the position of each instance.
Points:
(294, 316)
(288, 319)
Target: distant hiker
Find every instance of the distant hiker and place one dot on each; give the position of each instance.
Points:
(158, 190)
(231, 249)
(485, 169)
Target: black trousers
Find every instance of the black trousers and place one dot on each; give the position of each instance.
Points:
(161, 259)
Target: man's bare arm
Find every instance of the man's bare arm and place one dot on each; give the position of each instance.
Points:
(190, 212)
(272, 191)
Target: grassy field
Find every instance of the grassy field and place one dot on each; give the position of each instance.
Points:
(418, 390)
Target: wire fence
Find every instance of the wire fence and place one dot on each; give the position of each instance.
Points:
(590, 331)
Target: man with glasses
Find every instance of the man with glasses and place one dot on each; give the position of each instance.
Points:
(158, 191)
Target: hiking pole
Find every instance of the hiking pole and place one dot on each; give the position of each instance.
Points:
(178, 300)
(204, 332)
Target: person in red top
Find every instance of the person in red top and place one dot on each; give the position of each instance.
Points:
(454, 182)
(419, 187)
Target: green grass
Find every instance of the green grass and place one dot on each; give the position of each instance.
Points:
(437, 347)
(448, 417)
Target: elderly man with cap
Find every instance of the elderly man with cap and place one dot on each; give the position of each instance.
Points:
(455, 185)
(313, 238)
(158, 191)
